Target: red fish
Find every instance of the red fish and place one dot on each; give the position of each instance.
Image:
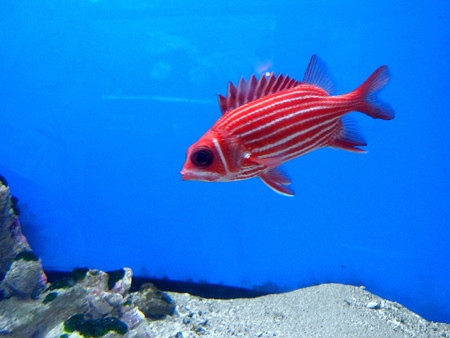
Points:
(274, 119)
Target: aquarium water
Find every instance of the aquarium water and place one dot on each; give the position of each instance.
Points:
(99, 101)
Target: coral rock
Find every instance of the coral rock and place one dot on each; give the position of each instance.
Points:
(96, 279)
(12, 240)
(152, 302)
(36, 318)
(24, 275)
(123, 285)
(23, 279)
(132, 316)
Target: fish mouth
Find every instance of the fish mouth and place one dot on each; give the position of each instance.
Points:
(187, 175)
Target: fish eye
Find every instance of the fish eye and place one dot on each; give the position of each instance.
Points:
(202, 157)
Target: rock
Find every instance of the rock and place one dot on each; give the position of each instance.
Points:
(96, 279)
(152, 302)
(87, 296)
(36, 318)
(12, 241)
(373, 305)
(23, 280)
(123, 285)
(104, 301)
(132, 316)
(91, 299)
(99, 306)
(21, 270)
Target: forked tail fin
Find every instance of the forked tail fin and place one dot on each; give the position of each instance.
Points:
(368, 90)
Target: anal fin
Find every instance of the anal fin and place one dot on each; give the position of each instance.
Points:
(350, 138)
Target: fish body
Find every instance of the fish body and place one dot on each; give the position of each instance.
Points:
(274, 119)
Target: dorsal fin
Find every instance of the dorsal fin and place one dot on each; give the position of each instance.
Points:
(247, 91)
(317, 74)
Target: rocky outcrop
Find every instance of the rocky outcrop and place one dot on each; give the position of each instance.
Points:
(20, 270)
(87, 303)
(12, 241)
(90, 303)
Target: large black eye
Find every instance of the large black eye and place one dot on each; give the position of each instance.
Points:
(202, 157)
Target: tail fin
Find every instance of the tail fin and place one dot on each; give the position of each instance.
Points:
(368, 90)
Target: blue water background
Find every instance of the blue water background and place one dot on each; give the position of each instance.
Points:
(99, 101)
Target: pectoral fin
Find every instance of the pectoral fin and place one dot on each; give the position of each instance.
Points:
(267, 162)
(278, 181)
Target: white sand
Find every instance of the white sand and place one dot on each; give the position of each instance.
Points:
(328, 310)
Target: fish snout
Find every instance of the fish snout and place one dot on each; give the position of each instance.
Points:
(182, 173)
(193, 175)
(185, 175)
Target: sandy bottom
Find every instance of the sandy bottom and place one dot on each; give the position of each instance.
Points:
(327, 310)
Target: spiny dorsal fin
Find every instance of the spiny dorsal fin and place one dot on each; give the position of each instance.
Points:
(317, 74)
(247, 91)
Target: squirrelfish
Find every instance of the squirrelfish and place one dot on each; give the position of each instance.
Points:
(268, 121)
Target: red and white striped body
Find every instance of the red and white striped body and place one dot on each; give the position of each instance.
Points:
(269, 121)
(285, 125)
